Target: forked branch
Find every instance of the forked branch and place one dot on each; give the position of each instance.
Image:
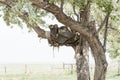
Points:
(62, 17)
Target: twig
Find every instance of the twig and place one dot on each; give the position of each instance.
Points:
(103, 23)
(5, 3)
(75, 13)
(114, 29)
(85, 13)
(8, 3)
(117, 1)
(61, 6)
(106, 31)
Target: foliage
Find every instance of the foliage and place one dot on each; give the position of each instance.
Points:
(12, 15)
(99, 11)
(105, 5)
(114, 42)
(99, 8)
(114, 31)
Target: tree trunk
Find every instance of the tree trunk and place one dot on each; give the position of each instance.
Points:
(82, 66)
(82, 61)
(100, 58)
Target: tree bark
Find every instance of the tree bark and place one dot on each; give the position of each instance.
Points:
(100, 58)
(82, 61)
(93, 41)
(82, 56)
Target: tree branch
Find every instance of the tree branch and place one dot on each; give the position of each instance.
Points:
(41, 33)
(62, 3)
(103, 23)
(85, 13)
(114, 29)
(76, 13)
(8, 3)
(61, 17)
(105, 33)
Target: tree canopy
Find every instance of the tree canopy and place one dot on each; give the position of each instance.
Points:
(92, 21)
(23, 11)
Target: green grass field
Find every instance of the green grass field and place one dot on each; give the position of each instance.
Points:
(44, 72)
(50, 76)
(40, 76)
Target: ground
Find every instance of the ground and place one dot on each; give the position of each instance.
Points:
(46, 72)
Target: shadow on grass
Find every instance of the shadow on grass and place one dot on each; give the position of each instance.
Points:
(111, 75)
(116, 75)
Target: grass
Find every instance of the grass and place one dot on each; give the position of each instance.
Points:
(40, 76)
(113, 76)
(49, 74)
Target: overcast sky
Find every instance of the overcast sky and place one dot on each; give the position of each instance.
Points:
(19, 46)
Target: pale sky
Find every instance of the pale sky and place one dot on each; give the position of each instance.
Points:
(19, 46)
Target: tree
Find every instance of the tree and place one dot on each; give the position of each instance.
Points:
(114, 43)
(113, 38)
(79, 30)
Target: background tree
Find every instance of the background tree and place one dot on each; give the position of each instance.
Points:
(82, 26)
(114, 42)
